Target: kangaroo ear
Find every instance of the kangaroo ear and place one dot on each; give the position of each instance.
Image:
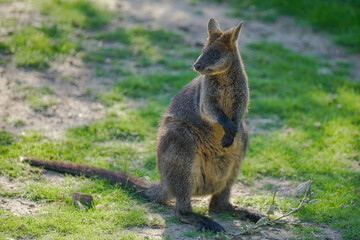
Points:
(235, 32)
(213, 27)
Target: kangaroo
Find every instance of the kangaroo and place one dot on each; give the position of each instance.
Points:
(201, 140)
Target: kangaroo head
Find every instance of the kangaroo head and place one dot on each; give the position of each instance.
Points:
(220, 49)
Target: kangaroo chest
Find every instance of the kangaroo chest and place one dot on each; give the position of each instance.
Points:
(226, 100)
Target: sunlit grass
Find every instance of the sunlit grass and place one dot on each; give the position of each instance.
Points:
(75, 13)
(37, 46)
(115, 211)
(339, 18)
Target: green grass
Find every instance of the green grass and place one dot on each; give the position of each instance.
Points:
(37, 46)
(144, 47)
(198, 235)
(339, 18)
(5, 138)
(289, 87)
(308, 232)
(76, 13)
(114, 210)
(139, 86)
(112, 143)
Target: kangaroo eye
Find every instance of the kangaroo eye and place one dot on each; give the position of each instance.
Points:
(216, 54)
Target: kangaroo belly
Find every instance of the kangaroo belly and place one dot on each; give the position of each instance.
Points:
(214, 167)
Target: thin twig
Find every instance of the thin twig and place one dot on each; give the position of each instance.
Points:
(301, 204)
(256, 226)
(272, 204)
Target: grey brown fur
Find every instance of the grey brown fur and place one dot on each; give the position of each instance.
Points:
(202, 138)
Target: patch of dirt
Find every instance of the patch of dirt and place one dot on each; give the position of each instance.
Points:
(281, 186)
(52, 177)
(178, 231)
(12, 184)
(327, 233)
(19, 206)
(17, 14)
(73, 107)
(260, 125)
(8, 184)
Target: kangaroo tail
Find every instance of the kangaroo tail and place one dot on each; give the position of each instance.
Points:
(146, 190)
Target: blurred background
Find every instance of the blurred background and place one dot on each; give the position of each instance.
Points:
(88, 81)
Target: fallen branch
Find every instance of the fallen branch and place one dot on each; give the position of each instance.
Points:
(302, 204)
(248, 228)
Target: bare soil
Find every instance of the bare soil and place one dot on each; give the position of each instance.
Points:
(74, 107)
(21, 206)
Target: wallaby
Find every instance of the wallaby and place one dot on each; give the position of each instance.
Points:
(202, 138)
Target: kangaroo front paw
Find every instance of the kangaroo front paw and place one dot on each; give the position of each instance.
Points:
(230, 128)
(209, 224)
(226, 141)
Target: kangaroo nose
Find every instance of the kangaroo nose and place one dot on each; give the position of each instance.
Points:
(197, 66)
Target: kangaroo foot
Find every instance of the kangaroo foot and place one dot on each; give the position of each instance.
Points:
(207, 223)
(200, 222)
